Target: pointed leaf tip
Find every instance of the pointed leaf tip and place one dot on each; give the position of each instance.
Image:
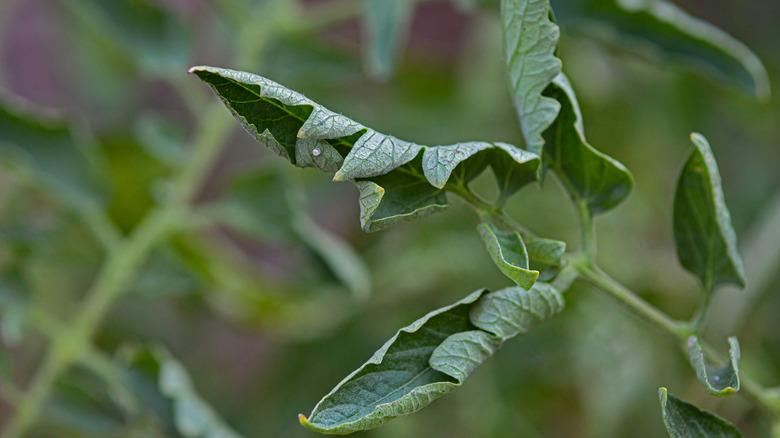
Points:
(430, 358)
(684, 420)
(309, 135)
(339, 177)
(704, 237)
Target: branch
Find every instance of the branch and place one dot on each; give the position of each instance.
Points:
(582, 264)
(123, 262)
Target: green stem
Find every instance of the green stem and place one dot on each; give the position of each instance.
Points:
(587, 230)
(566, 276)
(121, 267)
(603, 281)
(69, 345)
(583, 265)
(482, 208)
(697, 322)
(680, 330)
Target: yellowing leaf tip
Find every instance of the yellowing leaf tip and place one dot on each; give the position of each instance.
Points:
(339, 176)
(697, 138)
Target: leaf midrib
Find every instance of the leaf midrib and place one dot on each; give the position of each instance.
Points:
(273, 102)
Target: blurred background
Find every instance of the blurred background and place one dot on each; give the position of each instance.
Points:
(264, 316)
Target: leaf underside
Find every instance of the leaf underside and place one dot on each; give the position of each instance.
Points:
(590, 176)
(669, 31)
(720, 381)
(530, 40)
(550, 117)
(545, 256)
(507, 250)
(703, 234)
(398, 180)
(430, 358)
(684, 420)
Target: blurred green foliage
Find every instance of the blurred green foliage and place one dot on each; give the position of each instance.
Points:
(248, 294)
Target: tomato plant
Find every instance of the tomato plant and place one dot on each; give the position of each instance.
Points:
(140, 237)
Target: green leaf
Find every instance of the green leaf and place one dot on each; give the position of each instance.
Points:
(513, 311)
(508, 252)
(544, 255)
(589, 176)
(513, 168)
(438, 163)
(191, 415)
(530, 41)
(430, 358)
(386, 24)
(668, 30)
(398, 196)
(684, 420)
(549, 113)
(57, 154)
(705, 240)
(398, 180)
(720, 381)
(454, 166)
(398, 379)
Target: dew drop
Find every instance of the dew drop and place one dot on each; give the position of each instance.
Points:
(316, 152)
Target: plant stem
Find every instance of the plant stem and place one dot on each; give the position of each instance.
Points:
(603, 281)
(697, 322)
(587, 230)
(680, 330)
(123, 263)
(566, 276)
(482, 208)
(68, 346)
